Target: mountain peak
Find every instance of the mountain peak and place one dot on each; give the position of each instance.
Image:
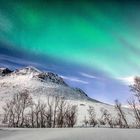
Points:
(51, 77)
(28, 70)
(4, 71)
(39, 83)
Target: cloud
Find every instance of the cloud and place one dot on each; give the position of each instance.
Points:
(88, 75)
(14, 62)
(127, 80)
(74, 79)
(128, 106)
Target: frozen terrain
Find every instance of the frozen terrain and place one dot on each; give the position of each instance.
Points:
(70, 134)
(43, 84)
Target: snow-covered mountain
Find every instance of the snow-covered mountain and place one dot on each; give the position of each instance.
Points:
(41, 84)
(38, 83)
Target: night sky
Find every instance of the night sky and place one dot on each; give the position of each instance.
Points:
(93, 45)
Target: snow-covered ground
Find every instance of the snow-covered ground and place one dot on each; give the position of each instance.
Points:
(70, 134)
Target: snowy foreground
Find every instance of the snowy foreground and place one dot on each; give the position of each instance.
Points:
(70, 134)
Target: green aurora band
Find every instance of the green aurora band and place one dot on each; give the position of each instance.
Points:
(96, 35)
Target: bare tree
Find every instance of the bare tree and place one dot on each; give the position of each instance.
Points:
(21, 111)
(71, 115)
(15, 109)
(56, 103)
(136, 110)
(9, 114)
(61, 113)
(26, 101)
(135, 88)
(135, 101)
(92, 116)
(36, 113)
(107, 118)
(32, 116)
(121, 114)
(119, 121)
(49, 112)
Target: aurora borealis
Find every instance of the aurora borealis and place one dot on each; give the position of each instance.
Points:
(92, 44)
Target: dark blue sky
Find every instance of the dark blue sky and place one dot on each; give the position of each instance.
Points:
(93, 45)
(94, 82)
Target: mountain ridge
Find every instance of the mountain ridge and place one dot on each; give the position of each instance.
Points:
(33, 73)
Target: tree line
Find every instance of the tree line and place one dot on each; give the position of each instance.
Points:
(22, 111)
(106, 119)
